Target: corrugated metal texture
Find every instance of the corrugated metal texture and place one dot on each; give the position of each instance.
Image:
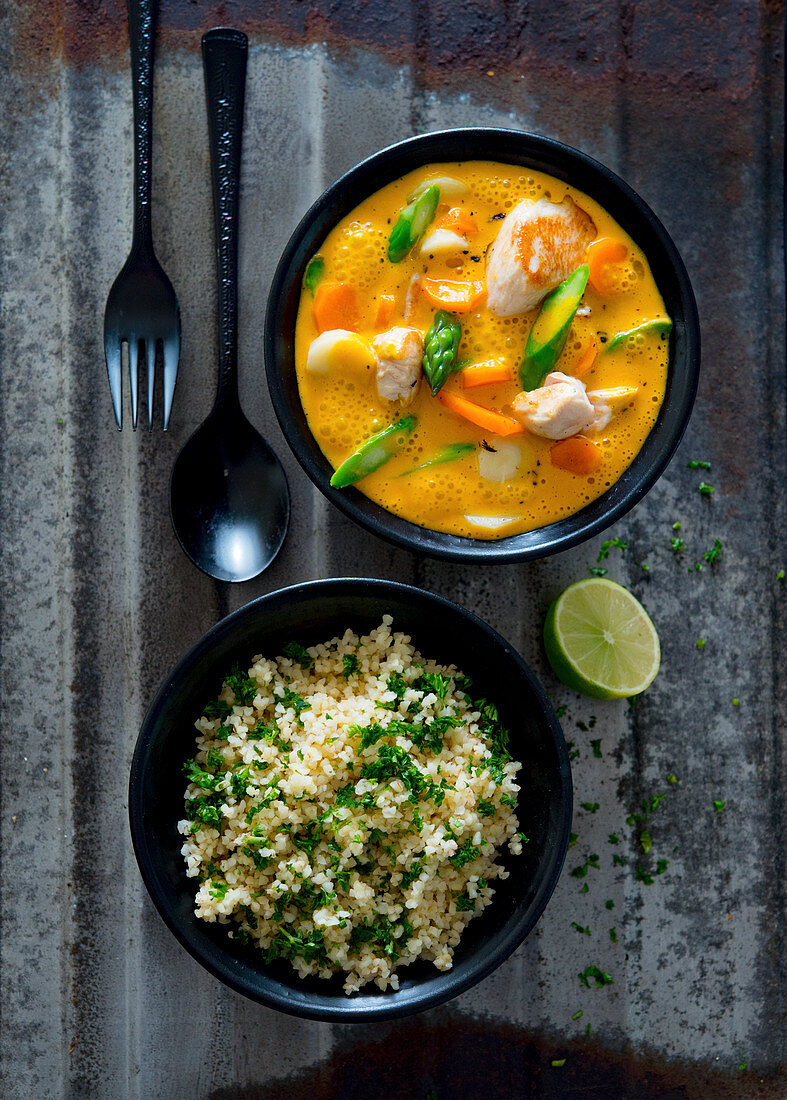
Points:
(685, 101)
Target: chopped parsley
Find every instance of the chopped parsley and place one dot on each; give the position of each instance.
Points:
(394, 763)
(705, 489)
(217, 708)
(613, 838)
(596, 974)
(579, 928)
(298, 704)
(409, 877)
(349, 665)
(678, 544)
(298, 653)
(695, 464)
(613, 935)
(700, 643)
(485, 809)
(433, 682)
(464, 903)
(596, 746)
(608, 545)
(609, 903)
(242, 686)
(309, 947)
(597, 571)
(719, 804)
(466, 854)
(591, 807)
(197, 775)
(711, 555)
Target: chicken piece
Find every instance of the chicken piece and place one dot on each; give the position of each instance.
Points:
(557, 409)
(539, 245)
(399, 352)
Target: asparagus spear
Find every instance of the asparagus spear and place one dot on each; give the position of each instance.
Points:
(372, 454)
(314, 273)
(446, 454)
(660, 325)
(548, 335)
(440, 347)
(412, 223)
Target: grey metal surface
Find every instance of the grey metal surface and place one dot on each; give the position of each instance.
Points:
(685, 101)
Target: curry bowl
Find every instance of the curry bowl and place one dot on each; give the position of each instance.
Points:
(312, 613)
(576, 170)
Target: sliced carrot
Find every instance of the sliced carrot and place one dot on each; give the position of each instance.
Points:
(484, 374)
(487, 419)
(458, 221)
(576, 454)
(602, 255)
(586, 361)
(335, 306)
(385, 310)
(454, 296)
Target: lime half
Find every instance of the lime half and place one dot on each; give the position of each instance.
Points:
(600, 640)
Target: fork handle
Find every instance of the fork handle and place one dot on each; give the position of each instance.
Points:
(142, 28)
(224, 54)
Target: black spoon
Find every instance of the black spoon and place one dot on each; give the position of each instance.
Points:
(229, 500)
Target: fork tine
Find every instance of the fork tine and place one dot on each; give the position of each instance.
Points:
(113, 356)
(150, 347)
(171, 356)
(133, 370)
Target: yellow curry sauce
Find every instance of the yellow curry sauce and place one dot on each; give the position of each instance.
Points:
(343, 407)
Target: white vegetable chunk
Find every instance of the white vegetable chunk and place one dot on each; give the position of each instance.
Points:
(539, 245)
(608, 402)
(441, 241)
(557, 409)
(399, 353)
(501, 463)
(491, 523)
(337, 348)
(449, 188)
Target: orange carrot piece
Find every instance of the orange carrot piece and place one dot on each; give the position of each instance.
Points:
(484, 374)
(458, 221)
(487, 419)
(586, 361)
(454, 296)
(385, 310)
(601, 255)
(335, 306)
(576, 454)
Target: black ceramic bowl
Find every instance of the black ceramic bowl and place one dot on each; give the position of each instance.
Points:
(543, 155)
(311, 613)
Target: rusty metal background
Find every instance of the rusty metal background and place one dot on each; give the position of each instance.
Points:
(685, 100)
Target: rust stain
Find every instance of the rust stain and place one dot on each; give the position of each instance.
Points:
(691, 47)
(464, 1059)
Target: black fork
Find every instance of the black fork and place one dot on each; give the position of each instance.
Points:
(142, 310)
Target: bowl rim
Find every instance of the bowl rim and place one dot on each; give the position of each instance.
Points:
(540, 541)
(273, 998)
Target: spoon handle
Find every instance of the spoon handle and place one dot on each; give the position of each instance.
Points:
(224, 53)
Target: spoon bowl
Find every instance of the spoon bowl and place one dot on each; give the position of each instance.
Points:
(228, 494)
(229, 500)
